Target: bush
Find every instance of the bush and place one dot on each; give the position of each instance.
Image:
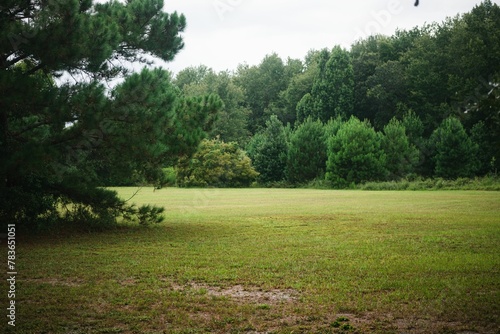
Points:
(216, 164)
(484, 183)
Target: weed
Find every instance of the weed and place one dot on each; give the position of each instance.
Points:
(263, 307)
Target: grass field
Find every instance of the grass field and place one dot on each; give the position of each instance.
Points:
(273, 260)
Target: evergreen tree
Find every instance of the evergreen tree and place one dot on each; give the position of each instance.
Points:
(306, 158)
(401, 156)
(58, 145)
(193, 76)
(387, 93)
(333, 126)
(268, 151)
(231, 121)
(305, 108)
(486, 159)
(355, 155)
(455, 153)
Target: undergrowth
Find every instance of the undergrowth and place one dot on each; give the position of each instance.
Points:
(483, 183)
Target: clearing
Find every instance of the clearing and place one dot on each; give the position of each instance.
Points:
(273, 260)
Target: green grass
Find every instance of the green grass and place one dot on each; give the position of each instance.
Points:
(273, 260)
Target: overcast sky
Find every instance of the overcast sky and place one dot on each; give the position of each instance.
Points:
(224, 33)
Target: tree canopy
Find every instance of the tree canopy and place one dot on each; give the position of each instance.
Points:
(62, 139)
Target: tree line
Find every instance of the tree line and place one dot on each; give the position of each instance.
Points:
(423, 102)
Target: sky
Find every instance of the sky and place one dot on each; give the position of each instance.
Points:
(222, 34)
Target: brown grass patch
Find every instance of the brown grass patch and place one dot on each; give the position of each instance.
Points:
(55, 281)
(242, 293)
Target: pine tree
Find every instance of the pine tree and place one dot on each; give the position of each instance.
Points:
(455, 153)
(401, 156)
(60, 140)
(268, 151)
(355, 155)
(306, 157)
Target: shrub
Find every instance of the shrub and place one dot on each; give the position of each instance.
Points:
(216, 164)
(483, 183)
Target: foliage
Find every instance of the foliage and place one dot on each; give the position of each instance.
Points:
(262, 85)
(69, 138)
(306, 158)
(216, 164)
(169, 177)
(231, 121)
(387, 91)
(401, 156)
(486, 132)
(420, 77)
(488, 183)
(148, 108)
(455, 153)
(300, 85)
(304, 107)
(333, 91)
(355, 155)
(333, 126)
(485, 155)
(269, 150)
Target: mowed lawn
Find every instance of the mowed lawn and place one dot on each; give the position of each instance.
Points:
(273, 261)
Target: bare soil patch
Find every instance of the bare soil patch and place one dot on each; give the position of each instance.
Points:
(243, 293)
(55, 281)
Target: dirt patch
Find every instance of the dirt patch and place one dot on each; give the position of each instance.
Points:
(128, 281)
(56, 281)
(243, 293)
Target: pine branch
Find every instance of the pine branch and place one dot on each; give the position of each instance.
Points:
(15, 61)
(29, 128)
(36, 68)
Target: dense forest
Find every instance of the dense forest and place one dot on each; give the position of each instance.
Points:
(420, 103)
